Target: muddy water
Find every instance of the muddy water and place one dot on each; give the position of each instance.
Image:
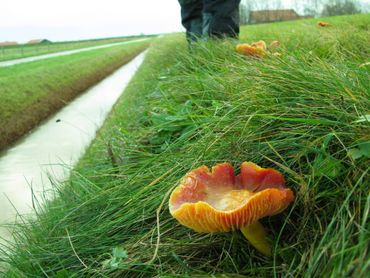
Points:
(63, 53)
(55, 146)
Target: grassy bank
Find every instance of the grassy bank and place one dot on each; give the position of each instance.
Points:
(30, 92)
(28, 50)
(301, 113)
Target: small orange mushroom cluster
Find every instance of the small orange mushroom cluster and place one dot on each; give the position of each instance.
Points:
(219, 201)
(274, 43)
(256, 49)
(323, 24)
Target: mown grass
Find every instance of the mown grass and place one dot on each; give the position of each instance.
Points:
(304, 113)
(29, 50)
(32, 91)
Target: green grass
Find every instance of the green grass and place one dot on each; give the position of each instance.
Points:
(29, 50)
(30, 92)
(301, 113)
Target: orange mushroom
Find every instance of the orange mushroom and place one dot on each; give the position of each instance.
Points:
(274, 44)
(260, 45)
(323, 24)
(257, 49)
(218, 201)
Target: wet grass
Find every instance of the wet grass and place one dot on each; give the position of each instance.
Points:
(30, 92)
(304, 113)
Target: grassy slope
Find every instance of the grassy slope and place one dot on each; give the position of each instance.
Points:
(296, 113)
(23, 51)
(30, 92)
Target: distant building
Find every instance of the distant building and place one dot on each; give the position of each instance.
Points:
(8, 43)
(39, 41)
(273, 15)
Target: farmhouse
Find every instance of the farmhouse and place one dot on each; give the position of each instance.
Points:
(39, 41)
(273, 15)
(8, 43)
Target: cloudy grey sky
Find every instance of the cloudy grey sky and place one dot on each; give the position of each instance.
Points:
(22, 20)
(57, 20)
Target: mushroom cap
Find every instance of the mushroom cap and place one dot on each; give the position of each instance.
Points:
(257, 49)
(274, 43)
(323, 23)
(260, 44)
(219, 201)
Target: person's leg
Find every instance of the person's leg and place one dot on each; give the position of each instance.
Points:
(192, 18)
(221, 18)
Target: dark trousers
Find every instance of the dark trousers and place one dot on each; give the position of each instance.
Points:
(210, 18)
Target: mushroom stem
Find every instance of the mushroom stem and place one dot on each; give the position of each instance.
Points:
(256, 235)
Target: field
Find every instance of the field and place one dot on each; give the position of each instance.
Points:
(32, 91)
(25, 50)
(304, 112)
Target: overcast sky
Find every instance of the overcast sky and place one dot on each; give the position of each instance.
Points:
(22, 20)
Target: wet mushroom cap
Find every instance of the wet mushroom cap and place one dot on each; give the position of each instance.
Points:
(274, 43)
(323, 24)
(219, 201)
(260, 44)
(257, 49)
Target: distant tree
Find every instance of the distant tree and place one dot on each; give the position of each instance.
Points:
(340, 8)
(276, 5)
(244, 10)
(310, 7)
(260, 5)
(246, 6)
(307, 7)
